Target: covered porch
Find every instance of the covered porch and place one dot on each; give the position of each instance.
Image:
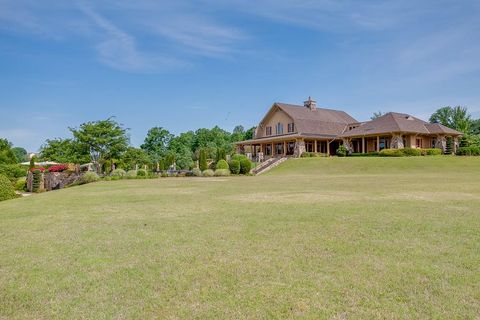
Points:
(376, 143)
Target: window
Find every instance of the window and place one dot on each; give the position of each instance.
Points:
(419, 143)
(279, 148)
(268, 150)
(384, 143)
(268, 131)
(291, 127)
(309, 146)
(279, 128)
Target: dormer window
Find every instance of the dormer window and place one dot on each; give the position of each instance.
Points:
(291, 127)
(279, 128)
(268, 131)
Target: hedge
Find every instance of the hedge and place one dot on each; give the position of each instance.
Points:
(208, 173)
(7, 191)
(245, 166)
(312, 154)
(468, 151)
(409, 152)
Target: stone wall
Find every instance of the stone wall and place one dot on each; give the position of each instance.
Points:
(54, 180)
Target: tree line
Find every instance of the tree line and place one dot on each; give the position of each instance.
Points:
(106, 144)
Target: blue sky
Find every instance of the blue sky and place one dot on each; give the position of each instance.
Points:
(184, 64)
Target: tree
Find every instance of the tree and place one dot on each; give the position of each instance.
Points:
(250, 133)
(156, 143)
(64, 151)
(238, 134)
(203, 160)
(476, 127)
(377, 115)
(6, 154)
(104, 139)
(135, 156)
(456, 118)
(20, 154)
(181, 147)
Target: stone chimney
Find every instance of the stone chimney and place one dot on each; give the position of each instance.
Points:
(310, 104)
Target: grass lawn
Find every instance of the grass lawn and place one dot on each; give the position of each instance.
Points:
(342, 238)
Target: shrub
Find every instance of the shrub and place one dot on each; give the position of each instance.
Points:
(468, 151)
(164, 174)
(142, 174)
(391, 153)
(222, 172)
(203, 160)
(433, 152)
(342, 151)
(12, 171)
(118, 173)
(208, 173)
(196, 172)
(222, 164)
(6, 189)
(245, 166)
(58, 168)
(41, 169)
(234, 166)
(239, 157)
(90, 176)
(21, 184)
(36, 181)
(411, 152)
(131, 174)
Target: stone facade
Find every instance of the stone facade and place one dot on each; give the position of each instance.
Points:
(441, 143)
(348, 145)
(299, 148)
(397, 142)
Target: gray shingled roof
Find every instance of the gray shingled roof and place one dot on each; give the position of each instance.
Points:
(398, 122)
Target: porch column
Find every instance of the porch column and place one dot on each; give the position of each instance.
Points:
(273, 150)
(284, 148)
(328, 148)
(456, 144)
(378, 143)
(363, 144)
(441, 143)
(347, 144)
(315, 146)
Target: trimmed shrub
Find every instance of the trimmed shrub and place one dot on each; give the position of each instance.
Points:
(208, 173)
(142, 174)
(342, 151)
(21, 184)
(89, 177)
(312, 155)
(222, 172)
(118, 173)
(239, 157)
(131, 174)
(234, 166)
(468, 151)
(411, 152)
(202, 161)
(164, 174)
(222, 164)
(245, 165)
(391, 153)
(196, 172)
(7, 191)
(433, 152)
(37, 180)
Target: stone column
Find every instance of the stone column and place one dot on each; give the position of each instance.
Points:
(397, 142)
(348, 144)
(456, 144)
(441, 143)
(299, 148)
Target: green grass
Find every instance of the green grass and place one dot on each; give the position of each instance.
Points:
(369, 238)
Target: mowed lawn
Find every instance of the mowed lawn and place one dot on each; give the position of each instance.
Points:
(341, 238)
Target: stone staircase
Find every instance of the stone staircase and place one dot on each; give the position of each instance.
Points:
(267, 165)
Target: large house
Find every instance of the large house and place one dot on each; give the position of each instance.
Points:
(290, 130)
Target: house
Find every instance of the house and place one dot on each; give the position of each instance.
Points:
(290, 130)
